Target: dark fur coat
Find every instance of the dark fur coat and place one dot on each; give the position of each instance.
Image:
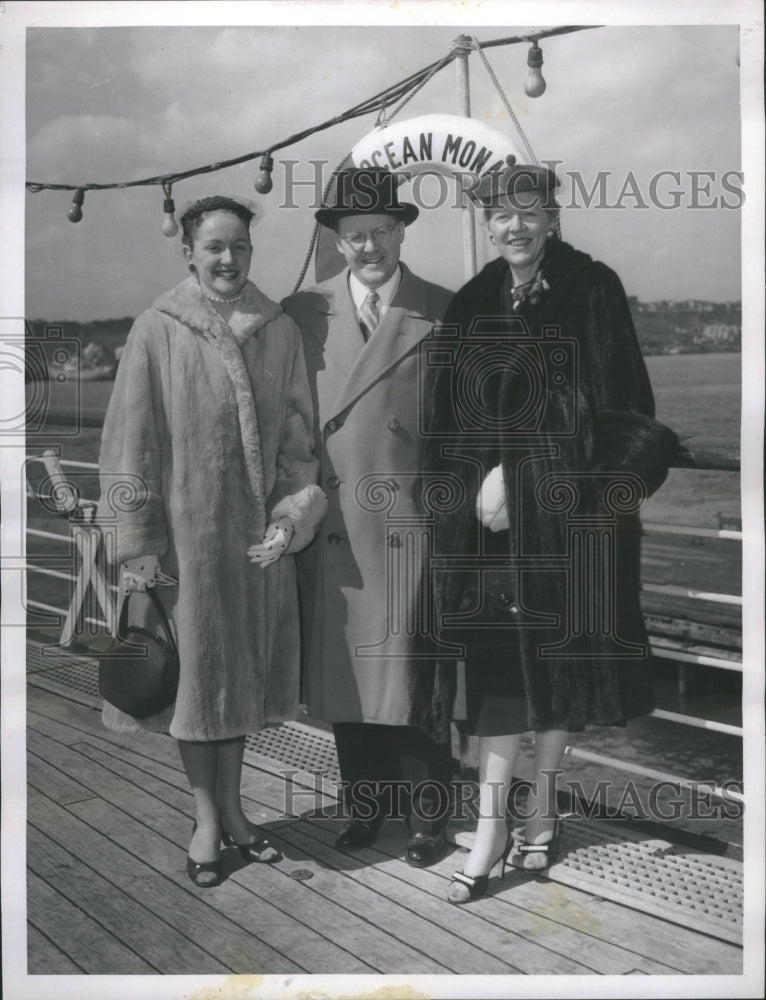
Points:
(558, 394)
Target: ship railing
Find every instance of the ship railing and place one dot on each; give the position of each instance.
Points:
(695, 453)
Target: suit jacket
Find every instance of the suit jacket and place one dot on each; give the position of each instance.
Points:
(359, 578)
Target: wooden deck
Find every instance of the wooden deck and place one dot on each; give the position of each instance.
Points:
(109, 823)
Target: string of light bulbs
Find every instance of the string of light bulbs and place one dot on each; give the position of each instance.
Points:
(534, 86)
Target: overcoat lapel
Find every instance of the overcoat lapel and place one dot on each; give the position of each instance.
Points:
(187, 304)
(401, 329)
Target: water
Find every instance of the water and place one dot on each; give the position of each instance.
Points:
(698, 395)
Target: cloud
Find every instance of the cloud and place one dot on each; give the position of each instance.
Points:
(90, 148)
(124, 103)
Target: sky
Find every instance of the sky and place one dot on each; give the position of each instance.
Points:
(110, 104)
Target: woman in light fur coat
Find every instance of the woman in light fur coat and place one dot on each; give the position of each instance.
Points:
(209, 427)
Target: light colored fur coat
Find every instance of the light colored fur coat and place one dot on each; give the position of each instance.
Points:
(210, 429)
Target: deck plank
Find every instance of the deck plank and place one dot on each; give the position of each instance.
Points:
(53, 782)
(45, 958)
(124, 799)
(138, 867)
(155, 940)
(284, 893)
(499, 910)
(505, 934)
(80, 936)
(280, 928)
(263, 794)
(450, 950)
(655, 944)
(156, 754)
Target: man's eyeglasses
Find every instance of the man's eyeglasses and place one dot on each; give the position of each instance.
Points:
(381, 236)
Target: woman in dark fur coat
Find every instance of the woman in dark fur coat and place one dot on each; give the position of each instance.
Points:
(542, 435)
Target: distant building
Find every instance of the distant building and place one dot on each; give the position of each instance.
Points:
(719, 333)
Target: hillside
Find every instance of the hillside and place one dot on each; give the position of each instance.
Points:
(685, 327)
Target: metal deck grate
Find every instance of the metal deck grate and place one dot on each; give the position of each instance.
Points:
(62, 670)
(297, 746)
(700, 891)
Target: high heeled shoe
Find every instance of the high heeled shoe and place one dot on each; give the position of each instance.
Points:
(260, 850)
(550, 849)
(196, 869)
(465, 888)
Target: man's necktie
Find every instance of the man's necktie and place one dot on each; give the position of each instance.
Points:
(369, 317)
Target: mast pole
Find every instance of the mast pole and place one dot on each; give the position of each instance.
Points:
(463, 46)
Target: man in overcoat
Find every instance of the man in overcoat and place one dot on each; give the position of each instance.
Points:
(359, 579)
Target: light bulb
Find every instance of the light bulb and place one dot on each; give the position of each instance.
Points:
(263, 182)
(169, 224)
(535, 84)
(75, 212)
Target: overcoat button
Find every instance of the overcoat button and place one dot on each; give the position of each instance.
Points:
(334, 539)
(395, 541)
(332, 425)
(333, 482)
(393, 424)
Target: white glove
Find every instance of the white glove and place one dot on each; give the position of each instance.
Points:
(491, 506)
(276, 540)
(140, 573)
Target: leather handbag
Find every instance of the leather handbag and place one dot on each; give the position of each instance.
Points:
(138, 673)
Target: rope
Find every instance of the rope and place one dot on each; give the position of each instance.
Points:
(385, 122)
(315, 231)
(381, 100)
(382, 123)
(514, 119)
(506, 102)
(366, 107)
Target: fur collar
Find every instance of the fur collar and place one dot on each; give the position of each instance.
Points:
(187, 304)
(562, 267)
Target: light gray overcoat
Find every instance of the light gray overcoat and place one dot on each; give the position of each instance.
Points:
(358, 579)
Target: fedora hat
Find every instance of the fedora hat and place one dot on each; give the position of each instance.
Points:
(364, 191)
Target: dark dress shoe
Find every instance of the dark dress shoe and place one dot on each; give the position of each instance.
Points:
(423, 849)
(261, 849)
(204, 874)
(357, 833)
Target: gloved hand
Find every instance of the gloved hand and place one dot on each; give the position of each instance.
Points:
(491, 506)
(140, 573)
(276, 540)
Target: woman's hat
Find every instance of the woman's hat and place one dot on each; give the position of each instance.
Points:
(365, 191)
(253, 207)
(517, 182)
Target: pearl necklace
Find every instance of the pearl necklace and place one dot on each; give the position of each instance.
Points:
(221, 298)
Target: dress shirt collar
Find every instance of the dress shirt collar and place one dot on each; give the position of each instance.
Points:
(386, 292)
